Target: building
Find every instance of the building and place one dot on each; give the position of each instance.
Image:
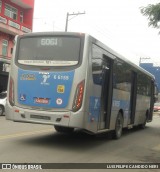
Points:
(154, 70)
(16, 18)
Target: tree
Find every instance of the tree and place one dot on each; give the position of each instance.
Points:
(152, 11)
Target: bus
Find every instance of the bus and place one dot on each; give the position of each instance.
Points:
(73, 81)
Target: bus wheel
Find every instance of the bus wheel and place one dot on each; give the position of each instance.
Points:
(143, 126)
(63, 129)
(118, 126)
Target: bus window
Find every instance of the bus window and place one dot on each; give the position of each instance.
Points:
(122, 76)
(97, 71)
(143, 85)
(49, 51)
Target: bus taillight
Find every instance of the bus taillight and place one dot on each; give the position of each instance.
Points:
(11, 92)
(78, 96)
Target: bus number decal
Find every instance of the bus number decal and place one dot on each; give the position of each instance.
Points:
(61, 77)
(49, 41)
(116, 103)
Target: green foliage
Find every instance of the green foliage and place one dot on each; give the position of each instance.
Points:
(152, 11)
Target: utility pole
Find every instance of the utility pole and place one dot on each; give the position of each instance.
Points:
(72, 14)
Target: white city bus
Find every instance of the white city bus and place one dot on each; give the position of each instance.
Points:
(72, 80)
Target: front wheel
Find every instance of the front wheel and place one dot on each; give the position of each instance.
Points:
(118, 126)
(63, 129)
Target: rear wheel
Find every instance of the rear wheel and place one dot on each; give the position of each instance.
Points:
(143, 126)
(118, 126)
(1, 110)
(63, 129)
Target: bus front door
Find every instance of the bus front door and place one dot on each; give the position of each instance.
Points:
(133, 97)
(106, 93)
(152, 100)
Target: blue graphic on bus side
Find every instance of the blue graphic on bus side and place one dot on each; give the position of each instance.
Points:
(44, 89)
(94, 109)
(121, 104)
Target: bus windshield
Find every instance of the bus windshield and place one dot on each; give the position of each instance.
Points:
(49, 51)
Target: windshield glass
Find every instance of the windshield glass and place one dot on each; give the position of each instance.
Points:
(49, 51)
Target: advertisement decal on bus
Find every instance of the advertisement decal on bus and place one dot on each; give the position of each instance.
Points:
(44, 89)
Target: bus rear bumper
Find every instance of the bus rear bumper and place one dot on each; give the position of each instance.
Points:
(60, 118)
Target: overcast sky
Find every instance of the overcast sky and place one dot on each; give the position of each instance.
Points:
(117, 23)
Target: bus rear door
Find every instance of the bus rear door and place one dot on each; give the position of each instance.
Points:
(133, 97)
(106, 93)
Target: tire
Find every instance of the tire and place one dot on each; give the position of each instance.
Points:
(118, 126)
(1, 110)
(143, 126)
(63, 129)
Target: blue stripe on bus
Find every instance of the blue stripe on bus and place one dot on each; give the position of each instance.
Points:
(95, 108)
(121, 104)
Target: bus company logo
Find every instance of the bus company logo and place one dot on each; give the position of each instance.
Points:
(96, 103)
(59, 101)
(28, 77)
(45, 79)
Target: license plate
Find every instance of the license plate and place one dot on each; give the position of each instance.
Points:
(40, 117)
(41, 100)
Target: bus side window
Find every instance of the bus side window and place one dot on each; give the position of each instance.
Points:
(97, 71)
(122, 76)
